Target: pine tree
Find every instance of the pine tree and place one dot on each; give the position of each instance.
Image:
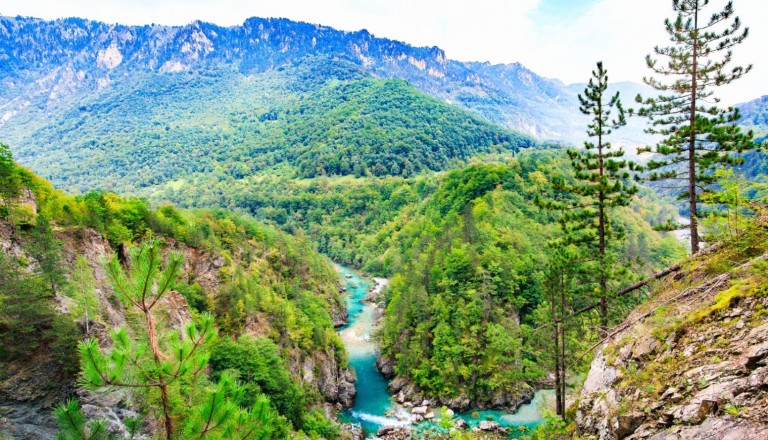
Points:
(698, 135)
(171, 368)
(86, 302)
(563, 286)
(559, 289)
(602, 184)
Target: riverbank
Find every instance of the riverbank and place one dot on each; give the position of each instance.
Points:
(375, 407)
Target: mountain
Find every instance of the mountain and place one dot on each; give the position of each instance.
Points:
(754, 116)
(244, 102)
(74, 54)
(69, 84)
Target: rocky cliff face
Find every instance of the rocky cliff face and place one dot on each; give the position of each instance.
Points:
(30, 389)
(690, 364)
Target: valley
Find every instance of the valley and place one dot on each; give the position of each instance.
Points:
(280, 230)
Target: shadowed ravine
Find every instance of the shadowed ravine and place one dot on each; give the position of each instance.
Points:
(373, 401)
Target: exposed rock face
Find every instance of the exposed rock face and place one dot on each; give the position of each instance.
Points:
(408, 394)
(336, 384)
(488, 426)
(392, 433)
(28, 395)
(691, 364)
(30, 391)
(386, 367)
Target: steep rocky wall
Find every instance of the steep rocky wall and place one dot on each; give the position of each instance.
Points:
(690, 364)
(29, 390)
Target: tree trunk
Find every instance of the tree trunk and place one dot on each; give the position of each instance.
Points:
(562, 369)
(562, 348)
(166, 412)
(601, 233)
(559, 409)
(692, 143)
(556, 364)
(603, 278)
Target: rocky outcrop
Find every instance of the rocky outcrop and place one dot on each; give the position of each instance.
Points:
(386, 367)
(408, 394)
(29, 392)
(321, 371)
(31, 389)
(690, 364)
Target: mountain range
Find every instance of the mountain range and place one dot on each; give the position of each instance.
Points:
(92, 105)
(74, 55)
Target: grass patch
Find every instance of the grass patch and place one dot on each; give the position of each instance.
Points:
(732, 410)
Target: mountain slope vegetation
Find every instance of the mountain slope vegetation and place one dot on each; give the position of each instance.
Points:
(467, 282)
(692, 360)
(270, 295)
(154, 129)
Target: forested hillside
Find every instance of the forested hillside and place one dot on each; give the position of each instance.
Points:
(273, 300)
(329, 121)
(468, 283)
(464, 251)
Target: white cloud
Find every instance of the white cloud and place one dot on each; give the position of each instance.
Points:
(619, 32)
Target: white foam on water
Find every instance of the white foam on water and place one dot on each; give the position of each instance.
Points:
(379, 420)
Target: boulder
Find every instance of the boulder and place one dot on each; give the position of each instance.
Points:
(488, 426)
(628, 423)
(385, 430)
(355, 430)
(756, 356)
(385, 367)
(422, 410)
(397, 384)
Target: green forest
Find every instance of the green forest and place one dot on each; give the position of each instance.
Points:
(170, 251)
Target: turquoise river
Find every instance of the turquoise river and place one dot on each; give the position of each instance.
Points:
(374, 406)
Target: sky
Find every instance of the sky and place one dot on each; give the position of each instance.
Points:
(555, 38)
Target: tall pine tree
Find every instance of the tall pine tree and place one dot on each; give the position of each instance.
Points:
(698, 135)
(602, 183)
(563, 290)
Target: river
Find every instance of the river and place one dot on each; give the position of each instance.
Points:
(374, 406)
